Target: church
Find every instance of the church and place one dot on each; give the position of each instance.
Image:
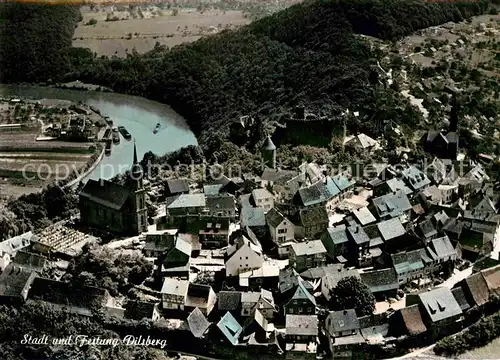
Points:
(113, 207)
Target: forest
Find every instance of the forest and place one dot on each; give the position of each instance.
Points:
(307, 54)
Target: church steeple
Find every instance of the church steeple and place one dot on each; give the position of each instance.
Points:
(138, 195)
(136, 167)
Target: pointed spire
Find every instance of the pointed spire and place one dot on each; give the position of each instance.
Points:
(135, 154)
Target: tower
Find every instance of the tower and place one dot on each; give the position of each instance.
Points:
(138, 194)
(268, 153)
(454, 115)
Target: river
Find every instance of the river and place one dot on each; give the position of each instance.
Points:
(138, 115)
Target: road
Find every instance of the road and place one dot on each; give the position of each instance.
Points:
(457, 276)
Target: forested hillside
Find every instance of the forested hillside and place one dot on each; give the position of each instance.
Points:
(307, 54)
(34, 41)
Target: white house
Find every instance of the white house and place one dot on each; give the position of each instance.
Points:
(174, 293)
(243, 256)
(263, 199)
(282, 230)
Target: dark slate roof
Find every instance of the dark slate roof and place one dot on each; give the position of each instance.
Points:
(251, 216)
(138, 310)
(106, 193)
(274, 217)
(391, 229)
(364, 216)
(443, 247)
(289, 279)
(413, 320)
(278, 176)
(415, 178)
(302, 293)
(396, 184)
(478, 288)
(439, 304)
(319, 192)
(337, 235)
(380, 280)
(313, 216)
(393, 204)
(212, 190)
(30, 261)
(14, 279)
(177, 186)
(358, 234)
(427, 229)
(344, 320)
(342, 182)
(228, 300)
(319, 272)
(220, 203)
(198, 323)
(407, 261)
(459, 295)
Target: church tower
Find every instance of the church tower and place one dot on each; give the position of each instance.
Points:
(138, 194)
(268, 154)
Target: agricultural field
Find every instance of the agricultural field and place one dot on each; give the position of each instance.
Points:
(118, 29)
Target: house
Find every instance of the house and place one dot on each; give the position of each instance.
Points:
(301, 329)
(158, 242)
(289, 280)
(265, 276)
(459, 295)
(426, 230)
(138, 310)
(200, 296)
(281, 229)
(174, 187)
(175, 262)
(492, 277)
(212, 189)
(335, 241)
(213, 233)
(438, 307)
(263, 199)
(262, 301)
(113, 207)
(390, 186)
(242, 256)
(408, 265)
(323, 193)
(307, 254)
(221, 206)
(185, 204)
(230, 327)
(12, 245)
(392, 205)
(382, 283)
(229, 301)
(415, 179)
(362, 142)
(284, 183)
(174, 293)
(359, 243)
(475, 289)
(15, 282)
(301, 302)
(441, 144)
(198, 323)
(392, 233)
(345, 186)
(311, 222)
(342, 323)
(407, 321)
(254, 218)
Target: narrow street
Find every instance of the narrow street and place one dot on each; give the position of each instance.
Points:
(458, 275)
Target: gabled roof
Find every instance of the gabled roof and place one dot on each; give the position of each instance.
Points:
(358, 234)
(230, 328)
(319, 192)
(212, 190)
(177, 186)
(342, 182)
(175, 287)
(391, 229)
(427, 229)
(301, 293)
(443, 247)
(319, 272)
(105, 193)
(393, 204)
(415, 178)
(344, 320)
(289, 279)
(337, 235)
(440, 304)
(492, 277)
(413, 320)
(228, 300)
(278, 175)
(459, 295)
(364, 216)
(198, 323)
(380, 280)
(478, 288)
(313, 216)
(14, 279)
(396, 184)
(407, 261)
(308, 248)
(261, 194)
(251, 216)
(274, 217)
(220, 203)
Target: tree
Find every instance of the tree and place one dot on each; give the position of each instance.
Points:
(352, 293)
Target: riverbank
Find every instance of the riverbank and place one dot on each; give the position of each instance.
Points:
(80, 86)
(86, 173)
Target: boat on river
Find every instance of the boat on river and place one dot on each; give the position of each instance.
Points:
(157, 128)
(107, 150)
(116, 136)
(124, 132)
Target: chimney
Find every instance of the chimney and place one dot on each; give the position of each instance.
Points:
(356, 230)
